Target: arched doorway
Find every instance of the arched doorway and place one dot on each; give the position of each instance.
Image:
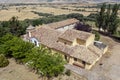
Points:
(34, 41)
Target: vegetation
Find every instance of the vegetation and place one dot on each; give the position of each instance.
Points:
(17, 28)
(42, 14)
(13, 26)
(68, 72)
(76, 15)
(3, 61)
(12, 46)
(91, 17)
(83, 27)
(44, 62)
(40, 58)
(97, 35)
(108, 19)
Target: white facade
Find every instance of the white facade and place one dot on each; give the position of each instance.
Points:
(63, 29)
(34, 41)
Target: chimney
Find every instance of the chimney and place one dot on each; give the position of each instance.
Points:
(29, 29)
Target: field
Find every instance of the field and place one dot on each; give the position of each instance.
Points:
(5, 15)
(24, 12)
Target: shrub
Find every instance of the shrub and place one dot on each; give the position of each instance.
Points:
(97, 35)
(68, 73)
(3, 61)
(46, 63)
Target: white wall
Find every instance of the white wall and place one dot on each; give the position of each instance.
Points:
(35, 41)
(63, 29)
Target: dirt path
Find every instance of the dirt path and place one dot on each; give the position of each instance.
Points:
(19, 72)
(107, 68)
(109, 64)
(16, 72)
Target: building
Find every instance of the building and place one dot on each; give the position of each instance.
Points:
(77, 47)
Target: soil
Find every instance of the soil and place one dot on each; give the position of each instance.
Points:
(16, 71)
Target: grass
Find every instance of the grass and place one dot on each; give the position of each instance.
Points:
(25, 13)
(91, 23)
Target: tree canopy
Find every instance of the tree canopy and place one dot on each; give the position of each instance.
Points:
(40, 58)
(108, 19)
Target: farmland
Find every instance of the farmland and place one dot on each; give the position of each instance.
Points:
(40, 14)
(25, 12)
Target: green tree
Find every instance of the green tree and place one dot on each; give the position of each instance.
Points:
(4, 47)
(97, 35)
(14, 46)
(3, 61)
(16, 28)
(46, 63)
(4, 28)
(114, 21)
(107, 18)
(100, 19)
(76, 15)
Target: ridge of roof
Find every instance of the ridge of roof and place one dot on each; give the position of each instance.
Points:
(30, 27)
(71, 35)
(63, 23)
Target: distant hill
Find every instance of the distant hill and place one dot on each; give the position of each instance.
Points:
(56, 1)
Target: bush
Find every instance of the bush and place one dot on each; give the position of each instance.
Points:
(3, 61)
(42, 14)
(68, 73)
(97, 35)
(44, 62)
(12, 46)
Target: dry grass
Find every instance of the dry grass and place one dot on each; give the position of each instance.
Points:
(19, 72)
(26, 13)
(23, 14)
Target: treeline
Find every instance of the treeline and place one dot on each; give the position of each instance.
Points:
(17, 28)
(57, 18)
(13, 26)
(42, 14)
(95, 6)
(108, 20)
(40, 59)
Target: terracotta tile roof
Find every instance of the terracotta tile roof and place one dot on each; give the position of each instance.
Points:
(71, 35)
(95, 50)
(45, 35)
(63, 48)
(63, 23)
(79, 52)
(82, 53)
(49, 37)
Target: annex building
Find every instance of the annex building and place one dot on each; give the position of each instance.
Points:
(77, 47)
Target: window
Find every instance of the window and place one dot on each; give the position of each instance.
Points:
(83, 62)
(75, 59)
(65, 57)
(35, 43)
(65, 43)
